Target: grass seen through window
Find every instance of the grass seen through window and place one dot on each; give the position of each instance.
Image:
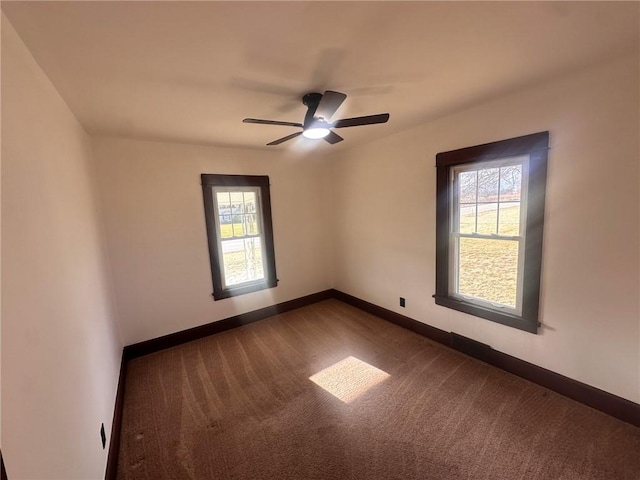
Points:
(489, 268)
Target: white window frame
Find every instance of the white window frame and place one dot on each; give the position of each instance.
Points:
(260, 235)
(455, 235)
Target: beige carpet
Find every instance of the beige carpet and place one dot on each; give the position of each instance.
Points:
(256, 403)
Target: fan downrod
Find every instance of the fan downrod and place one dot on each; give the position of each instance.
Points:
(311, 100)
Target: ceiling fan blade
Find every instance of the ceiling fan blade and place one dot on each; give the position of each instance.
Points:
(333, 138)
(355, 121)
(284, 139)
(329, 103)
(271, 122)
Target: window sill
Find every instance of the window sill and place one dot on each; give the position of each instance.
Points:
(242, 289)
(511, 320)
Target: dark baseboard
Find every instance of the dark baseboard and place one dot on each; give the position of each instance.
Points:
(184, 336)
(116, 425)
(3, 472)
(605, 402)
(423, 329)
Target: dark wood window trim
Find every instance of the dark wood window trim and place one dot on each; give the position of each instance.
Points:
(536, 146)
(262, 182)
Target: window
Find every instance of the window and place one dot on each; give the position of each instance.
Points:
(490, 212)
(238, 216)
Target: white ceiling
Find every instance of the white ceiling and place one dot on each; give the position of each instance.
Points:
(191, 71)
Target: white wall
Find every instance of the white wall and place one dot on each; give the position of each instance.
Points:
(385, 231)
(363, 222)
(157, 238)
(60, 351)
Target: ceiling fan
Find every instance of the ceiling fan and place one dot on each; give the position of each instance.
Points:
(320, 108)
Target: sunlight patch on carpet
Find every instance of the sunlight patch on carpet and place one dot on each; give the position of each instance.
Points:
(349, 378)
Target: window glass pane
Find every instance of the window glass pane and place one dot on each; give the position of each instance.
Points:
(488, 218)
(467, 218)
(223, 200)
(488, 184)
(509, 219)
(249, 220)
(467, 186)
(236, 198)
(226, 230)
(489, 269)
(237, 209)
(510, 183)
(224, 214)
(250, 224)
(238, 230)
(242, 260)
(237, 213)
(249, 202)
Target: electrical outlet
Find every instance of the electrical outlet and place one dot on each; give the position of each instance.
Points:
(103, 436)
(402, 302)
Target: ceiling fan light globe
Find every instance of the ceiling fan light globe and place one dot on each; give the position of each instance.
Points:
(315, 133)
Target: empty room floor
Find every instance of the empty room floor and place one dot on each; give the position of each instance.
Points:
(330, 392)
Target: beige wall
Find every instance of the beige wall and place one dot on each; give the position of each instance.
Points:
(385, 230)
(157, 239)
(60, 351)
(362, 221)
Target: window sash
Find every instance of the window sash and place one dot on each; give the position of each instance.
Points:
(454, 277)
(455, 235)
(221, 240)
